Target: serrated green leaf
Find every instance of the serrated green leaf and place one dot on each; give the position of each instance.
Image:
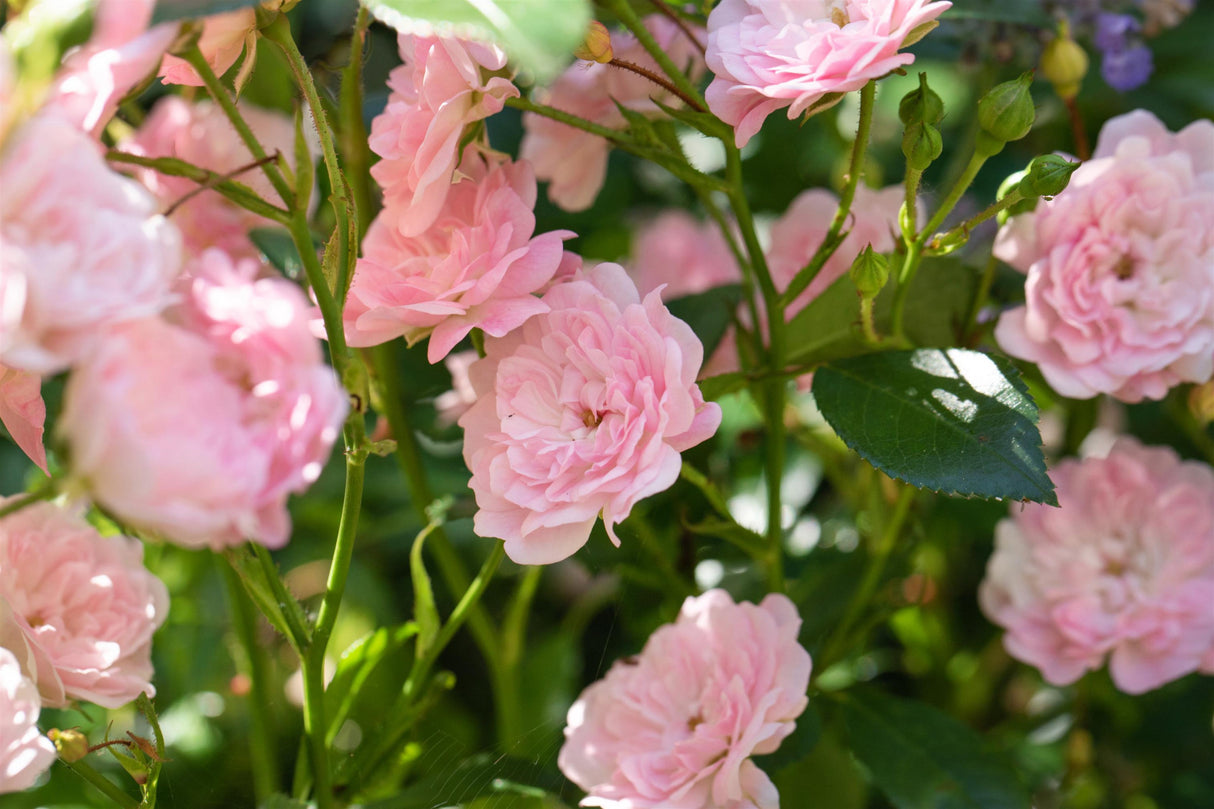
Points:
(924, 759)
(709, 313)
(951, 420)
(538, 35)
(169, 10)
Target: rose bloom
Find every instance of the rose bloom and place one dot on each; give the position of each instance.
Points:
(1123, 570)
(574, 162)
(78, 609)
(23, 413)
(1120, 291)
(454, 403)
(581, 412)
(476, 267)
(799, 232)
(202, 134)
(675, 727)
(120, 53)
(81, 247)
(24, 752)
(223, 38)
(770, 54)
(200, 429)
(435, 94)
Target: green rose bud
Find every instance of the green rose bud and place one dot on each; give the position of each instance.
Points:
(1012, 185)
(1047, 175)
(921, 143)
(869, 272)
(1005, 114)
(921, 105)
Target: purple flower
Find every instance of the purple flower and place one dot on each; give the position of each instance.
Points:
(1113, 30)
(1125, 70)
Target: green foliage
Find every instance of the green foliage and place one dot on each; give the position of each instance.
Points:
(953, 421)
(924, 759)
(538, 35)
(173, 10)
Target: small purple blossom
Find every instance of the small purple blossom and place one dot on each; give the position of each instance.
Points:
(1127, 69)
(1113, 30)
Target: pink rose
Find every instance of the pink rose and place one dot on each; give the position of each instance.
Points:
(200, 431)
(223, 38)
(676, 725)
(78, 609)
(455, 402)
(1124, 570)
(23, 413)
(201, 134)
(688, 257)
(24, 752)
(1120, 291)
(120, 53)
(575, 162)
(581, 412)
(476, 267)
(81, 247)
(796, 235)
(439, 90)
(770, 54)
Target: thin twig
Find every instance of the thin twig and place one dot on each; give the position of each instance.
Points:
(215, 180)
(661, 81)
(670, 14)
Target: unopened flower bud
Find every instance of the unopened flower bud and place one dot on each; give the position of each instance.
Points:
(1012, 185)
(71, 744)
(596, 47)
(922, 104)
(869, 272)
(1005, 114)
(1064, 63)
(1201, 403)
(921, 143)
(1047, 175)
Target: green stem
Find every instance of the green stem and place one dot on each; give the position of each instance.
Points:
(866, 321)
(315, 726)
(878, 558)
(353, 132)
(292, 614)
(235, 192)
(963, 230)
(954, 196)
(911, 183)
(617, 136)
(514, 641)
(910, 264)
(980, 295)
(855, 171)
(101, 783)
(624, 12)
(255, 666)
(46, 491)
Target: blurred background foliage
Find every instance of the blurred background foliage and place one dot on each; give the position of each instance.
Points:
(923, 638)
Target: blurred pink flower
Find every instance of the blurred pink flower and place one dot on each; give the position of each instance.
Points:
(200, 431)
(581, 412)
(770, 54)
(688, 257)
(798, 233)
(24, 752)
(478, 265)
(1124, 570)
(574, 162)
(1120, 288)
(78, 609)
(676, 725)
(201, 134)
(439, 90)
(81, 247)
(23, 413)
(455, 402)
(223, 38)
(121, 52)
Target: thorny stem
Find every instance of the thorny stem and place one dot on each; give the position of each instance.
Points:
(665, 84)
(233, 191)
(617, 136)
(628, 17)
(215, 180)
(670, 14)
(353, 132)
(101, 783)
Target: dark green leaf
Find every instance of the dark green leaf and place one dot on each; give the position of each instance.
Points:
(169, 10)
(924, 759)
(538, 35)
(708, 313)
(714, 387)
(279, 249)
(951, 420)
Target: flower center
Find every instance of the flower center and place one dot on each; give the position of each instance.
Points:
(592, 419)
(1124, 268)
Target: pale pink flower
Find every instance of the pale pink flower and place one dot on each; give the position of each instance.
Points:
(581, 412)
(78, 609)
(770, 54)
(81, 247)
(223, 38)
(799, 232)
(121, 52)
(455, 402)
(23, 413)
(202, 134)
(439, 90)
(688, 257)
(478, 265)
(24, 752)
(1120, 291)
(200, 431)
(574, 162)
(675, 726)
(1123, 570)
